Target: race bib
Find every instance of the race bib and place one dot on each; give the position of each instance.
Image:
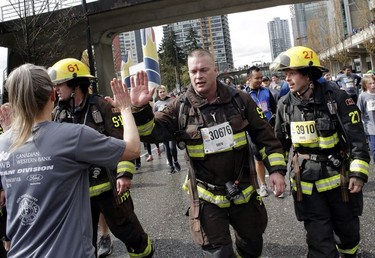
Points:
(263, 105)
(371, 105)
(349, 83)
(217, 138)
(303, 132)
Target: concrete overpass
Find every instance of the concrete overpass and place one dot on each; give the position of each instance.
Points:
(354, 47)
(110, 17)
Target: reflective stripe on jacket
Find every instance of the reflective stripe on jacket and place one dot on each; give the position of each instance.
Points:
(221, 200)
(321, 185)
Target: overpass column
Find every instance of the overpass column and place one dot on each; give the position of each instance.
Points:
(362, 59)
(104, 67)
(335, 68)
(372, 59)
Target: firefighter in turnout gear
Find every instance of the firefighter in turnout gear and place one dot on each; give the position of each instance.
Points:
(211, 121)
(322, 126)
(109, 190)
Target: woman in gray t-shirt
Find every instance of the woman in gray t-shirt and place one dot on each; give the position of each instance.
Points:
(44, 168)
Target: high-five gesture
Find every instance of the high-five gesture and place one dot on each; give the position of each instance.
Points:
(121, 98)
(140, 95)
(5, 117)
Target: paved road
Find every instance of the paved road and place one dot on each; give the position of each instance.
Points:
(160, 204)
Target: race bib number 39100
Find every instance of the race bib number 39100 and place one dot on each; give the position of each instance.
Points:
(217, 138)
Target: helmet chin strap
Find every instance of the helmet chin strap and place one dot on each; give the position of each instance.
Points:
(311, 86)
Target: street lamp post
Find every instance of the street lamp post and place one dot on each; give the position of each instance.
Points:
(89, 47)
(176, 70)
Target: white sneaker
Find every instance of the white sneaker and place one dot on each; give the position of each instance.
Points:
(280, 196)
(263, 191)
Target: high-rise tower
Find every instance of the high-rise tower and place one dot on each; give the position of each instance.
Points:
(279, 36)
(212, 34)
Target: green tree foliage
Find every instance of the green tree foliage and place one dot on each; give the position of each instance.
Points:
(171, 59)
(185, 79)
(192, 42)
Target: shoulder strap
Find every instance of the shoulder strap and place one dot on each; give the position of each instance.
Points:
(185, 106)
(238, 102)
(96, 113)
(287, 109)
(183, 112)
(286, 113)
(333, 110)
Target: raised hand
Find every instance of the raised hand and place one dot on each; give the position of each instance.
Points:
(140, 95)
(5, 117)
(121, 98)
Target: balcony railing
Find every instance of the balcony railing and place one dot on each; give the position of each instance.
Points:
(363, 35)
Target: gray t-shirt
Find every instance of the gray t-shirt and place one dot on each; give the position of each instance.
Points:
(47, 188)
(349, 83)
(366, 103)
(161, 104)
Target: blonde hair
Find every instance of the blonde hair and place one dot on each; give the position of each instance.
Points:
(162, 87)
(29, 88)
(366, 80)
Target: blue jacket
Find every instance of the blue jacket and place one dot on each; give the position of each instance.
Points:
(284, 89)
(264, 99)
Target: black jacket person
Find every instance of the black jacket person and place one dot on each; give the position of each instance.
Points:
(330, 158)
(211, 120)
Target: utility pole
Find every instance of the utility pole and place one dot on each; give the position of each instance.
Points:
(89, 47)
(177, 70)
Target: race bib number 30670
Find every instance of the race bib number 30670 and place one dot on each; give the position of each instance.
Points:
(217, 138)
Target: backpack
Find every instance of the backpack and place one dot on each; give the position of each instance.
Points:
(185, 107)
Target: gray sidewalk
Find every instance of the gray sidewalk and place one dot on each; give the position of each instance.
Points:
(160, 204)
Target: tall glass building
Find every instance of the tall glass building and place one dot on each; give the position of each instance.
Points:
(212, 34)
(279, 36)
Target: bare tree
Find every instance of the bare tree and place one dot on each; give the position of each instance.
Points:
(41, 30)
(366, 26)
(338, 36)
(317, 31)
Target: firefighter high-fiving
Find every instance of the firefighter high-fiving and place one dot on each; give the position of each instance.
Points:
(212, 122)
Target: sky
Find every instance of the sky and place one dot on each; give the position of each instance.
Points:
(248, 31)
(249, 34)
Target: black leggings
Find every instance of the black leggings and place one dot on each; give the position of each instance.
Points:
(171, 151)
(148, 146)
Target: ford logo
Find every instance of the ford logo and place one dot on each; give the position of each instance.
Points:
(34, 178)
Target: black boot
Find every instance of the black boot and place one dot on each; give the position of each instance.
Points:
(171, 170)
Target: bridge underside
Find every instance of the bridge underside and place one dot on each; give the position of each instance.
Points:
(110, 17)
